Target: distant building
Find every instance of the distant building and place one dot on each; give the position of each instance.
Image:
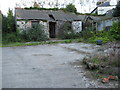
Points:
(104, 5)
(98, 23)
(51, 20)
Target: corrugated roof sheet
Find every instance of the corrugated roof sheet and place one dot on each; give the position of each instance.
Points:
(44, 15)
(104, 4)
(100, 18)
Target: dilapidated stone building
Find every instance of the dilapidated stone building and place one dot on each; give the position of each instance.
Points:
(51, 20)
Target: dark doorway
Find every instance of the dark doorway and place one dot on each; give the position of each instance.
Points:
(52, 29)
(34, 23)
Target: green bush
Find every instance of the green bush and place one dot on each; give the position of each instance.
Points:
(111, 35)
(12, 37)
(66, 32)
(86, 34)
(94, 39)
(34, 34)
(115, 31)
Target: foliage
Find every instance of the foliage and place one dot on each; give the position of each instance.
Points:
(54, 9)
(0, 21)
(34, 34)
(66, 32)
(10, 22)
(71, 8)
(4, 25)
(94, 39)
(11, 37)
(98, 3)
(101, 35)
(115, 31)
(30, 34)
(116, 12)
(12, 44)
(104, 35)
(0, 28)
(86, 34)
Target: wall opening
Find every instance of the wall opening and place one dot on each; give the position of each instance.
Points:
(52, 29)
(34, 23)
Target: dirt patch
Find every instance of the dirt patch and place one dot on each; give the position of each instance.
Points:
(82, 68)
(92, 75)
(78, 51)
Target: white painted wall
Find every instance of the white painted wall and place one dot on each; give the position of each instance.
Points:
(77, 26)
(23, 24)
(103, 10)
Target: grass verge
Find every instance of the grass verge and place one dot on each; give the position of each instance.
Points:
(13, 44)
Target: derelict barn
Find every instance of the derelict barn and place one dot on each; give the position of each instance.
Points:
(51, 20)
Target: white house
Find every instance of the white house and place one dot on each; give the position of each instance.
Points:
(104, 6)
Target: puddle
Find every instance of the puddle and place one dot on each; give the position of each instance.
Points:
(42, 55)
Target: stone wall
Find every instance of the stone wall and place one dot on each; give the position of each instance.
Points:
(77, 26)
(22, 25)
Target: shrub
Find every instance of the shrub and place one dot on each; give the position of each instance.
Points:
(34, 34)
(12, 37)
(65, 31)
(94, 39)
(111, 35)
(86, 34)
(115, 31)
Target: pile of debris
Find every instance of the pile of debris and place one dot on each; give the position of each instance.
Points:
(106, 61)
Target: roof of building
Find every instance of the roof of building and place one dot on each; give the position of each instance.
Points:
(45, 15)
(104, 4)
(99, 18)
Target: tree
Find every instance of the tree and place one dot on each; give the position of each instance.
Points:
(0, 21)
(10, 22)
(36, 5)
(115, 30)
(0, 26)
(4, 24)
(71, 8)
(116, 12)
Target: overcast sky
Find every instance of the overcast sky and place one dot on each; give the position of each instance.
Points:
(85, 6)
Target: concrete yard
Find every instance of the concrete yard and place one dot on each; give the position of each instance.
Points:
(45, 66)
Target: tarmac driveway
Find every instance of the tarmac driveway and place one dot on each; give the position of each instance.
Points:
(44, 66)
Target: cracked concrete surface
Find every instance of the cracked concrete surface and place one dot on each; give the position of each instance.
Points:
(45, 66)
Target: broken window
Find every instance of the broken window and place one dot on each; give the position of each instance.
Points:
(34, 23)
